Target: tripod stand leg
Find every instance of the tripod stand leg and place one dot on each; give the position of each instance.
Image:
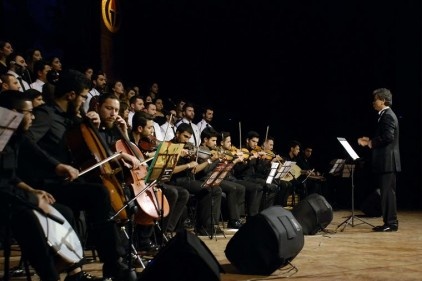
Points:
(133, 249)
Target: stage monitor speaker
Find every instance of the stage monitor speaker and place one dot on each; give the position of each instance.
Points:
(266, 242)
(314, 213)
(184, 257)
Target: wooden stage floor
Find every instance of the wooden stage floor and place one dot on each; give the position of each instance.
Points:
(356, 253)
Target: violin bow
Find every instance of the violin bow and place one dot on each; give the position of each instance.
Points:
(168, 126)
(240, 136)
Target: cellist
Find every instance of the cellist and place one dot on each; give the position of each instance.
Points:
(142, 129)
(49, 130)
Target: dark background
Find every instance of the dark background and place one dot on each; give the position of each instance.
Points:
(305, 69)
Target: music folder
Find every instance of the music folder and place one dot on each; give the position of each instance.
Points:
(165, 159)
(9, 122)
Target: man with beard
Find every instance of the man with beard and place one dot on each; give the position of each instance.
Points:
(99, 83)
(17, 67)
(51, 130)
(21, 198)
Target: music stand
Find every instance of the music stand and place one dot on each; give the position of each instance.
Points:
(161, 170)
(350, 220)
(214, 179)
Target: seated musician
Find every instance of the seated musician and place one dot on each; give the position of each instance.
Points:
(315, 181)
(177, 196)
(293, 155)
(285, 187)
(23, 198)
(52, 130)
(235, 192)
(246, 171)
(184, 175)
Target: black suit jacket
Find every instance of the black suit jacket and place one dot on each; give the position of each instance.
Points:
(385, 144)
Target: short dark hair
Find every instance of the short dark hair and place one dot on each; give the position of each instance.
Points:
(12, 99)
(140, 118)
(184, 127)
(385, 95)
(71, 80)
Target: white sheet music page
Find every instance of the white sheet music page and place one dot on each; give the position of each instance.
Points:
(348, 148)
(9, 122)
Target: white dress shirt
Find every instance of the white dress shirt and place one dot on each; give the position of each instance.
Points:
(168, 133)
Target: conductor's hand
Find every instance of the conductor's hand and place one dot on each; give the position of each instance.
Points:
(363, 141)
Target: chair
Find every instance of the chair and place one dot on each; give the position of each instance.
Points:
(7, 242)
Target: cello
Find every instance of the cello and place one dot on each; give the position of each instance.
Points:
(153, 204)
(89, 148)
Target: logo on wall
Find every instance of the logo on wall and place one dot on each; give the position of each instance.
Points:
(111, 14)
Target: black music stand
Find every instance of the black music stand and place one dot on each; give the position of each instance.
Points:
(350, 220)
(214, 179)
(284, 172)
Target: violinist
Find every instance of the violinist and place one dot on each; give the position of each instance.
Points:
(235, 191)
(284, 187)
(176, 195)
(253, 190)
(184, 175)
(50, 131)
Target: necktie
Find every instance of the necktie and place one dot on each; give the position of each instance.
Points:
(21, 82)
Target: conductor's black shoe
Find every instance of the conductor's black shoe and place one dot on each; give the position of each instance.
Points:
(386, 228)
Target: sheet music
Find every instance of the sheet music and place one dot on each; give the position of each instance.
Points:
(165, 159)
(9, 122)
(274, 167)
(348, 148)
(284, 169)
(218, 174)
(338, 166)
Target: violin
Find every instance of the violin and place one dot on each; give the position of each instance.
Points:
(264, 153)
(148, 143)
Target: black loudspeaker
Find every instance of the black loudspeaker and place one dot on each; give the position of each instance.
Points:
(372, 205)
(266, 242)
(184, 257)
(314, 213)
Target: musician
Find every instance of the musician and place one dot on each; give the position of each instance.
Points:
(293, 155)
(23, 198)
(235, 192)
(184, 175)
(176, 196)
(284, 187)
(50, 130)
(244, 172)
(314, 181)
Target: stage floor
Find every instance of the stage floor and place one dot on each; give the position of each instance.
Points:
(356, 253)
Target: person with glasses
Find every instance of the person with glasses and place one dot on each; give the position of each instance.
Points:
(55, 126)
(23, 198)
